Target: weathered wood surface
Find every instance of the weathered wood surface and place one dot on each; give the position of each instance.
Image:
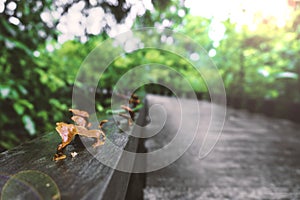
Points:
(257, 157)
(81, 177)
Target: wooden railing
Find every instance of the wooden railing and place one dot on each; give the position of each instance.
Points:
(79, 177)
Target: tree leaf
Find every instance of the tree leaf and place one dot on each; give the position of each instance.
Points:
(19, 108)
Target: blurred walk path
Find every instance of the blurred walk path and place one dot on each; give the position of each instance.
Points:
(256, 158)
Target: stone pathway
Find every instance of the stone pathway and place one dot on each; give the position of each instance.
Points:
(256, 157)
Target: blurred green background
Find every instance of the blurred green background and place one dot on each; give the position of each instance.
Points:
(44, 42)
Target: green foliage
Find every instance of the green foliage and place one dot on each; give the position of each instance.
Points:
(266, 65)
(38, 74)
(19, 94)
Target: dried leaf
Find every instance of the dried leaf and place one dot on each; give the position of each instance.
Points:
(59, 156)
(134, 99)
(80, 121)
(99, 135)
(126, 108)
(80, 113)
(102, 122)
(66, 131)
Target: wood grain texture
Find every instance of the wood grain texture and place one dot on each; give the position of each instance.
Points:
(81, 177)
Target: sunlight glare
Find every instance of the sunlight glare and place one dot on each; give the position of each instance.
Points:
(14, 20)
(2, 6)
(212, 53)
(12, 5)
(242, 12)
(94, 21)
